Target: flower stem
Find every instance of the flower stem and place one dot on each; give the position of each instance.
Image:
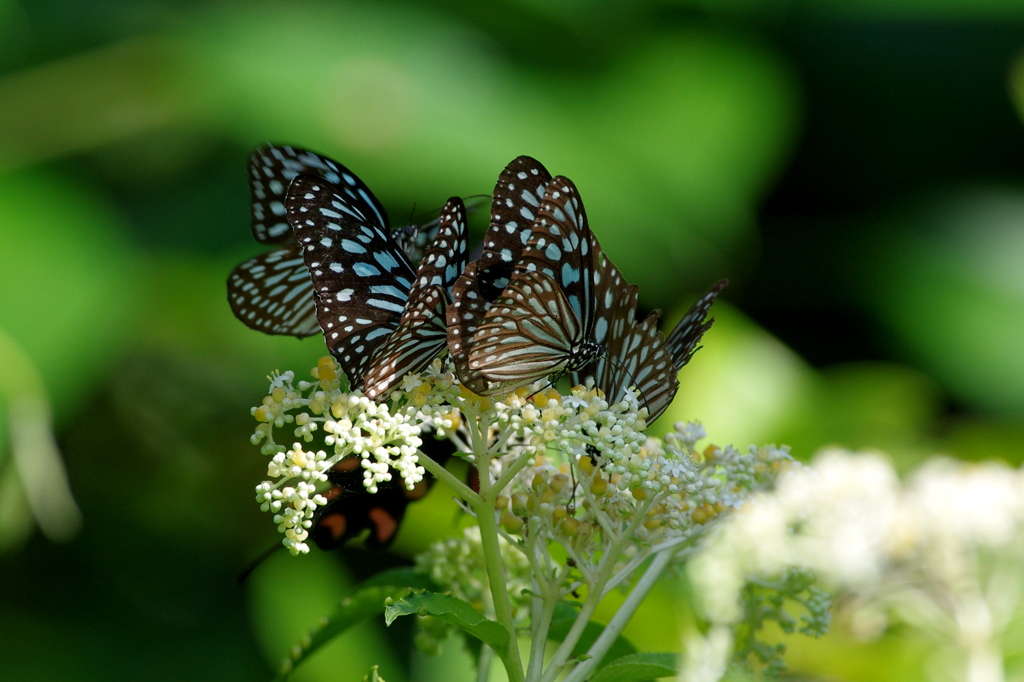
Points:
(618, 623)
(483, 507)
(450, 480)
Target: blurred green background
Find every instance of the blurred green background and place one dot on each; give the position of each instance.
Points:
(856, 169)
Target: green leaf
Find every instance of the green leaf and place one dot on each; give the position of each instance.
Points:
(637, 667)
(374, 676)
(565, 615)
(366, 601)
(455, 612)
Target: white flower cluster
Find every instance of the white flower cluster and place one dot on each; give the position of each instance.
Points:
(630, 495)
(944, 552)
(353, 426)
(626, 496)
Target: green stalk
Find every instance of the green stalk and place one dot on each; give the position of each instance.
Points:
(483, 507)
(618, 622)
(449, 479)
(540, 626)
(594, 597)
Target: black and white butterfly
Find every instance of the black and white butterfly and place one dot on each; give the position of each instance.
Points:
(380, 318)
(567, 309)
(544, 323)
(516, 199)
(272, 292)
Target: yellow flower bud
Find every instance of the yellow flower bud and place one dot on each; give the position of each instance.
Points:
(326, 369)
(570, 527)
(702, 514)
(585, 464)
(558, 482)
(511, 523)
(522, 504)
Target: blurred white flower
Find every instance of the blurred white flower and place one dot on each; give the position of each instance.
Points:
(943, 552)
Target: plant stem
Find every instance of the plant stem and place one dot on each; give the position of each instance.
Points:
(483, 507)
(599, 579)
(483, 664)
(540, 625)
(447, 478)
(618, 622)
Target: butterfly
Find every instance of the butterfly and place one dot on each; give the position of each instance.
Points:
(544, 322)
(380, 318)
(350, 509)
(273, 292)
(517, 196)
(567, 309)
(638, 354)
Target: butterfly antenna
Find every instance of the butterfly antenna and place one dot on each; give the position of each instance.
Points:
(251, 566)
(475, 201)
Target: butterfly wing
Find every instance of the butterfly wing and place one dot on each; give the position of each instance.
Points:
(639, 355)
(524, 335)
(361, 279)
(273, 293)
(517, 196)
(684, 337)
(421, 334)
(350, 509)
(544, 318)
(563, 247)
(272, 167)
(642, 359)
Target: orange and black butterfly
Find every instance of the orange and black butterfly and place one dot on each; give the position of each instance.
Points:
(351, 510)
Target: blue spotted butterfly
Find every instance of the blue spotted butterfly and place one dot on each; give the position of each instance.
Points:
(273, 292)
(517, 196)
(380, 318)
(567, 309)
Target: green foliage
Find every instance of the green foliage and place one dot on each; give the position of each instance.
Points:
(853, 167)
(770, 603)
(638, 667)
(365, 601)
(454, 612)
